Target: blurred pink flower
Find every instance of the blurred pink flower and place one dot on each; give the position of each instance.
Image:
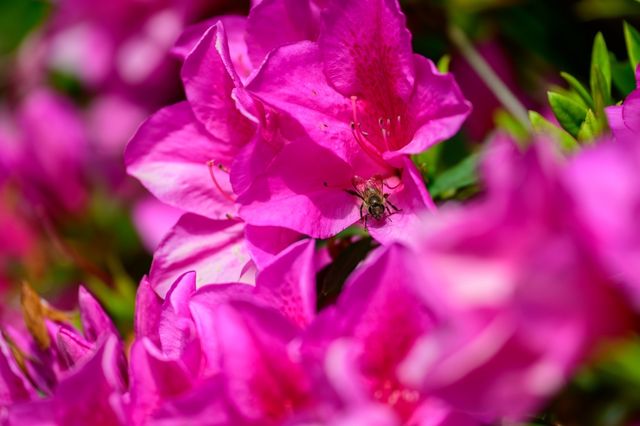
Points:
(364, 340)
(47, 152)
(518, 290)
(604, 182)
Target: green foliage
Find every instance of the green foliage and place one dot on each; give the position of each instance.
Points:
(17, 19)
(331, 278)
(624, 79)
(580, 112)
(118, 298)
(542, 125)
(511, 125)
(443, 64)
(570, 114)
(632, 39)
(600, 76)
(591, 127)
(460, 176)
(578, 88)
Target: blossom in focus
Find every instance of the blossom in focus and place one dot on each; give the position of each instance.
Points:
(184, 155)
(229, 337)
(351, 107)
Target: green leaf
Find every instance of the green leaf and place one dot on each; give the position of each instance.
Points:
(591, 127)
(511, 125)
(600, 96)
(600, 64)
(569, 113)
(443, 64)
(542, 125)
(624, 78)
(577, 87)
(331, 278)
(17, 19)
(459, 176)
(632, 38)
(428, 161)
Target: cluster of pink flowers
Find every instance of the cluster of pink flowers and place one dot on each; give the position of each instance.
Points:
(463, 315)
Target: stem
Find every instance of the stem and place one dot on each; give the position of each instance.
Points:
(489, 77)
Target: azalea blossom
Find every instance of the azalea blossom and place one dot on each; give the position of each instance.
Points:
(80, 376)
(351, 108)
(521, 296)
(604, 185)
(195, 334)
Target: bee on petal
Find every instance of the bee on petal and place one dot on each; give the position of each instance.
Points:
(375, 202)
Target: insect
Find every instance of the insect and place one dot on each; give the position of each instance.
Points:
(375, 203)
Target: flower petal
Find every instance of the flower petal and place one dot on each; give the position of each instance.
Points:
(289, 283)
(95, 320)
(209, 78)
(437, 107)
(302, 190)
(213, 248)
(292, 18)
(169, 155)
(366, 49)
(266, 242)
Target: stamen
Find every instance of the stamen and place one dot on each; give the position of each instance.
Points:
(354, 109)
(385, 136)
(365, 146)
(361, 136)
(210, 165)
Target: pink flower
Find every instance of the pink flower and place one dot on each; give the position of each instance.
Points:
(90, 392)
(604, 182)
(351, 108)
(80, 375)
(48, 158)
(252, 38)
(219, 250)
(184, 153)
(520, 295)
(232, 338)
(154, 220)
(120, 45)
(364, 340)
(174, 152)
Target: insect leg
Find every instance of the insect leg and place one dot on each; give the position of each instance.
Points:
(392, 205)
(354, 193)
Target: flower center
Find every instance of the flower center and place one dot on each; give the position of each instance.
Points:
(384, 134)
